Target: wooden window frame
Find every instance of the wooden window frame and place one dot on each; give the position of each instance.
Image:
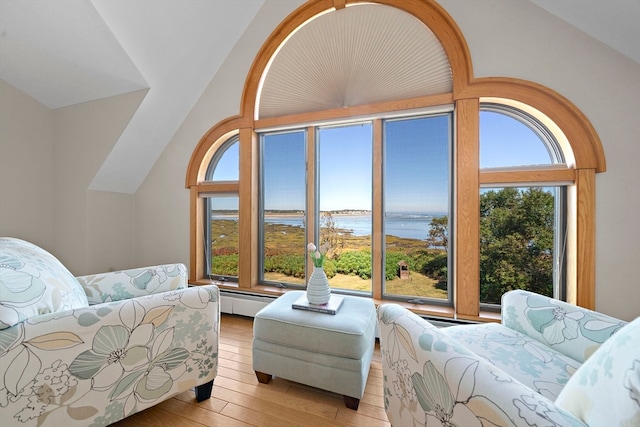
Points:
(466, 96)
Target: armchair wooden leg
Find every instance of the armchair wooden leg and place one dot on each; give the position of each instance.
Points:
(263, 378)
(203, 392)
(351, 402)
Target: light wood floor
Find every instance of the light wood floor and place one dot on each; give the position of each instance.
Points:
(239, 400)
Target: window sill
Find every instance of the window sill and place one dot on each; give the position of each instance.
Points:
(233, 286)
(427, 310)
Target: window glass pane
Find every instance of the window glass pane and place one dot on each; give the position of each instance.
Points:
(223, 234)
(507, 141)
(519, 241)
(345, 158)
(283, 201)
(225, 163)
(416, 200)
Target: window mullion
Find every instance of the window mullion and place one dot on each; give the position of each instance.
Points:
(528, 177)
(378, 269)
(312, 182)
(248, 217)
(585, 255)
(196, 265)
(467, 209)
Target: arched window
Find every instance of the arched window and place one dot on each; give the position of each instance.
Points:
(522, 227)
(362, 127)
(220, 214)
(511, 138)
(225, 164)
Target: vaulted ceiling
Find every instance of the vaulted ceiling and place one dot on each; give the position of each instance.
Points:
(66, 52)
(63, 53)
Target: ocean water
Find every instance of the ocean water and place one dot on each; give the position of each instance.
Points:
(408, 226)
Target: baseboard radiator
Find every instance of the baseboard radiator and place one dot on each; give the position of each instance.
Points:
(248, 304)
(242, 303)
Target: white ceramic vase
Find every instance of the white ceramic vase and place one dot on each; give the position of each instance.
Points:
(318, 289)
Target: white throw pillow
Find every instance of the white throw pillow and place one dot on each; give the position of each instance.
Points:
(605, 390)
(34, 282)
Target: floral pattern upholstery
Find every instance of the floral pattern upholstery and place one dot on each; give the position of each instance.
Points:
(484, 374)
(574, 331)
(34, 282)
(119, 285)
(540, 368)
(95, 365)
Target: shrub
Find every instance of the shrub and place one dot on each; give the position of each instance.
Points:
(225, 265)
(356, 263)
(290, 265)
(435, 266)
(391, 264)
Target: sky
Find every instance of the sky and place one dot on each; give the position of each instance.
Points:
(505, 141)
(417, 165)
(346, 167)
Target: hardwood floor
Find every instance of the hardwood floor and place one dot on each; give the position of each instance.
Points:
(239, 400)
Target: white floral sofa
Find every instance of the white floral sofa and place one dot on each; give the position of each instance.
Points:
(548, 363)
(91, 350)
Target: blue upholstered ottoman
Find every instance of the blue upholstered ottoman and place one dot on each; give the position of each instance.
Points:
(330, 352)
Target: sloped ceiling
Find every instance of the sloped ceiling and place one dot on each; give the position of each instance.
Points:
(615, 23)
(65, 52)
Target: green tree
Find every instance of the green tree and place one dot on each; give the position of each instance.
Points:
(436, 263)
(516, 242)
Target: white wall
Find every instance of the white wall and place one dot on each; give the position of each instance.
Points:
(26, 168)
(506, 38)
(47, 161)
(162, 202)
(93, 230)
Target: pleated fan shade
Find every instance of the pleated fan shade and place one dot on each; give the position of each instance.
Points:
(357, 55)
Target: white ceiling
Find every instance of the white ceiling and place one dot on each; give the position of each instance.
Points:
(65, 52)
(615, 23)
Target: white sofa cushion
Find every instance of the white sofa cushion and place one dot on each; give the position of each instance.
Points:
(605, 390)
(34, 282)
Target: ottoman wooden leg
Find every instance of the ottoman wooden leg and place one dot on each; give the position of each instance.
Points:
(351, 402)
(263, 378)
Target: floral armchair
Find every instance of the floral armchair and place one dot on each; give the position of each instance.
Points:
(92, 350)
(548, 363)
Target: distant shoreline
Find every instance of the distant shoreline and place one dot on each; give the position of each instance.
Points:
(343, 212)
(405, 226)
(271, 214)
(294, 214)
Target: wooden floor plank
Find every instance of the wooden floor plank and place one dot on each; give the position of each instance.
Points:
(198, 414)
(245, 377)
(258, 418)
(268, 392)
(154, 417)
(247, 368)
(238, 400)
(275, 414)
